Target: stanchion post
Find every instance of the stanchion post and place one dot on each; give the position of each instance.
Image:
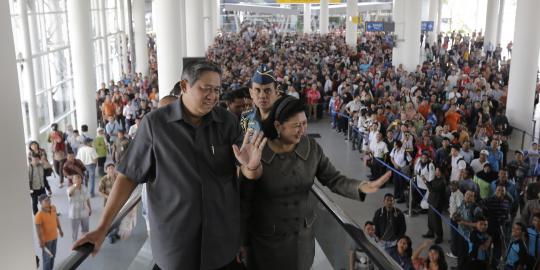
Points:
(410, 196)
(349, 132)
(523, 139)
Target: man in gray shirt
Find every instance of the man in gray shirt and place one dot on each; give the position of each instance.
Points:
(188, 148)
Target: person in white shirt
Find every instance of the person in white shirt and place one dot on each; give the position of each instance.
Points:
(129, 113)
(456, 198)
(458, 164)
(478, 164)
(353, 106)
(88, 155)
(79, 207)
(400, 160)
(424, 171)
(133, 129)
(378, 149)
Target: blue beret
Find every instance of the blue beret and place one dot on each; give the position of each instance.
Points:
(263, 75)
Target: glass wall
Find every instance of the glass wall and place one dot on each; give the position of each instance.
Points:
(107, 35)
(51, 59)
(47, 25)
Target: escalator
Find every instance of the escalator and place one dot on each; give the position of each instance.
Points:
(335, 232)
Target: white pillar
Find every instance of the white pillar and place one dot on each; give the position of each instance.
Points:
(141, 44)
(307, 18)
(425, 10)
(194, 28)
(323, 17)
(216, 22)
(104, 42)
(500, 21)
(168, 42)
(208, 24)
(490, 33)
(433, 16)
(82, 58)
(352, 23)
(407, 17)
(522, 83)
(123, 37)
(439, 17)
(17, 229)
(28, 71)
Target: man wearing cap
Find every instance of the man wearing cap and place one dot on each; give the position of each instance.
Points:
(47, 228)
(190, 150)
(478, 164)
(88, 156)
(263, 92)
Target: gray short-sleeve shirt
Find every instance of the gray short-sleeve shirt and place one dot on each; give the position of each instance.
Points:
(193, 197)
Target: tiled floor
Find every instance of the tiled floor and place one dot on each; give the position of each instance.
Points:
(117, 256)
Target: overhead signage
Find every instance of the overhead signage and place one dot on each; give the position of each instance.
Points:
(427, 26)
(373, 26)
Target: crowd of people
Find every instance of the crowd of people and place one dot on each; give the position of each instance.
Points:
(442, 127)
(86, 163)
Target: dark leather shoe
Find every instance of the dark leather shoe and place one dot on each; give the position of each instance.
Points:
(428, 235)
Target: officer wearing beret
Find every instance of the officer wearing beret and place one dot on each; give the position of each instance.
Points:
(263, 92)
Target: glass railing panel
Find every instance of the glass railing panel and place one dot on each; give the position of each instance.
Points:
(338, 235)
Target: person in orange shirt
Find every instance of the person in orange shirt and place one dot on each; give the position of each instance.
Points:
(424, 108)
(452, 117)
(47, 228)
(108, 108)
(153, 95)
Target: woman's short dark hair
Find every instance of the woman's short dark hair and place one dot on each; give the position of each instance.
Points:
(192, 71)
(284, 108)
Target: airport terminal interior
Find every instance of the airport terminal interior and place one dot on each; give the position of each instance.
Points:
(270, 134)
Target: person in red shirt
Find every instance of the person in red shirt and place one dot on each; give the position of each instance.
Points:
(313, 95)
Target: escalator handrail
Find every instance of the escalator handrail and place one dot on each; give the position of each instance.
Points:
(380, 258)
(80, 253)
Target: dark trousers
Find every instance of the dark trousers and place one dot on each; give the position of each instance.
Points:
(234, 265)
(418, 195)
(399, 185)
(377, 170)
(59, 169)
(435, 223)
(496, 234)
(35, 194)
(460, 248)
(101, 165)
